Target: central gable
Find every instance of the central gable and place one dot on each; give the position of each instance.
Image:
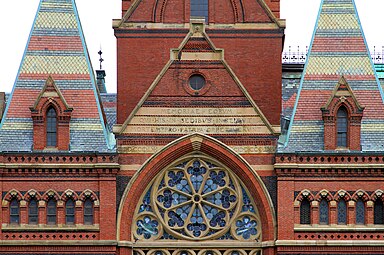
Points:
(196, 92)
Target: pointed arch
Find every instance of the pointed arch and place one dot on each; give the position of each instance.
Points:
(50, 194)
(13, 194)
(342, 195)
(305, 194)
(69, 194)
(361, 194)
(32, 194)
(324, 194)
(196, 143)
(88, 194)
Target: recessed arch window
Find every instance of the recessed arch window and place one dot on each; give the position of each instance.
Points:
(360, 212)
(378, 212)
(342, 212)
(70, 212)
(305, 211)
(51, 212)
(51, 129)
(342, 127)
(88, 212)
(196, 198)
(323, 212)
(199, 8)
(33, 213)
(14, 211)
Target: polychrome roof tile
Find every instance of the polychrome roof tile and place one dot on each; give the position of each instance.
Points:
(56, 48)
(338, 48)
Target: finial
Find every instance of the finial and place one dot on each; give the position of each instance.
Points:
(100, 59)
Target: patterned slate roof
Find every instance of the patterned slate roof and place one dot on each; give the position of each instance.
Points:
(56, 47)
(338, 49)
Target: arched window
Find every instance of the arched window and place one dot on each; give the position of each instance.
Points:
(360, 212)
(324, 212)
(342, 127)
(88, 212)
(51, 127)
(70, 212)
(342, 212)
(199, 8)
(378, 212)
(33, 213)
(51, 212)
(196, 198)
(14, 212)
(305, 211)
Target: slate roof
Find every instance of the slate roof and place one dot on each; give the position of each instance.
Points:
(56, 47)
(338, 48)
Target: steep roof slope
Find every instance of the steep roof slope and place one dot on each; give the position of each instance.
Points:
(338, 48)
(56, 48)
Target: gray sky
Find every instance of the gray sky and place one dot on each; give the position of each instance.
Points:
(96, 17)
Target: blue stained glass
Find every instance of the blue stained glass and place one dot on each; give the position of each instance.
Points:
(197, 171)
(175, 178)
(175, 219)
(183, 212)
(324, 212)
(166, 198)
(246, 227)
(247, 204)
(227, 198)
(342, 212)
(360, 212)
(209, 186)
(178, 199)
(147, 227)
(197, 224)
(218, 220)
(209, 211)
(218, 178)
(146, 204)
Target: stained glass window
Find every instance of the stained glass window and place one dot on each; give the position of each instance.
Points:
(342, 127)
(360, 212)
(70, 212)
(88, 212)
(324, 212)
(14, 211)
(51, 212)
(33, 213)
(378, 212)
(196, 199)
(51, 128)
(199, 8)
(342, 212)
(305, 212)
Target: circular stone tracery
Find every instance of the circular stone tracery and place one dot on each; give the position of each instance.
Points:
(197, 200)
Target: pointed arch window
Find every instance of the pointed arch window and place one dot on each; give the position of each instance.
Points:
(199, 8)
(378, 212)
(88, 212)
(360, 212)
(342, 127)
(70, 212)
(342, 212)
(33, 214)
(51, 212)
(196, 198)
(305, 211)
(324, 212)
(14, 211)
(51, 127)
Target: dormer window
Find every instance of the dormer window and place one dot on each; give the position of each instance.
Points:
(199, 8)
(342, 115)
(342, 127)
(51, 116)
(51, 127)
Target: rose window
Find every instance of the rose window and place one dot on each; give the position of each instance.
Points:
(196, 199)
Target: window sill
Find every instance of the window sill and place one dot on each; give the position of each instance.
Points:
(338, 228)
(49, 228)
